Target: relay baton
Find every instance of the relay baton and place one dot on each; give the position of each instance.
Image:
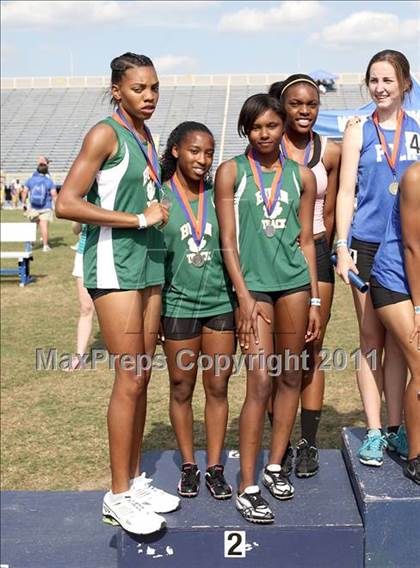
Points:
(355, 280)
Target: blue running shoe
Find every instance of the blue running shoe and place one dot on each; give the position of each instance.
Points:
(397, 442)
(371, 452)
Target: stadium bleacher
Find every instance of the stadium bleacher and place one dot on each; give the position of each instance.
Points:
(49, 116)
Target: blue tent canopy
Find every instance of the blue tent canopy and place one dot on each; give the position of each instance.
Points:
(331, 123)
(321, 75)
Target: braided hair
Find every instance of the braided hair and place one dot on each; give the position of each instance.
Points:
(119, 65)
(168, 161)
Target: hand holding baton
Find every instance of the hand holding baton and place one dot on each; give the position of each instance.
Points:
(355, 280)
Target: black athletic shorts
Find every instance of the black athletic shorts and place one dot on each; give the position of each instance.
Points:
(363, 256)
(323, 261)
(187, 328)
(382, 296)
(272, 297)
(96, 293)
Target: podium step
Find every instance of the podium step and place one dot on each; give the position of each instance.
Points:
(389, 504)
(55, 529)
(319, 527)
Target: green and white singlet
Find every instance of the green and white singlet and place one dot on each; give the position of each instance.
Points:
(194, 291)
(277, 263)
(123, 258)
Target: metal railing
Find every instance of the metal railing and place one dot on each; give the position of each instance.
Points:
(86, 81)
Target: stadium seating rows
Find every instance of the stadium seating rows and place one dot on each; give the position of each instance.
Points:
(53, 121)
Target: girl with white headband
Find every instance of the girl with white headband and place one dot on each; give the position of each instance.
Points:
(299, 97)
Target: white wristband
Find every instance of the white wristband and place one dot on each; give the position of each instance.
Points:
(417, 310)
(142, 221)
(341, 243)
(316, 302)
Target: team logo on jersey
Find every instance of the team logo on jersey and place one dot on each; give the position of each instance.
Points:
(409, 152)
(150, 186)
(271, 222)
(193, 247)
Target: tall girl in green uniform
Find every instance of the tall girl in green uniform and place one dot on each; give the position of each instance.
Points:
(197, 304)
(265, 208)
(299, 96)
(117, 168)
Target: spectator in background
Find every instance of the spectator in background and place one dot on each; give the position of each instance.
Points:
(42, 194)
(2, 191)
(7, 195)
(321, 86)
(84, 325)
(16, 190)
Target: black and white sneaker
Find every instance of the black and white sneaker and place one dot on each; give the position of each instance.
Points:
(277, 482)
(189, 484)
(253, 507)
(412, 469)
(216, 482)
(287, 461)
(307, 459)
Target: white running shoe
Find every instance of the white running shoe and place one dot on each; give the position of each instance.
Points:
(143, 492)
(46, 248)
(253, 507)
(130, 515)
(277, 482)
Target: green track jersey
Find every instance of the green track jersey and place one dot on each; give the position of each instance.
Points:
(128, 259)
(275, 262)
(194, 291)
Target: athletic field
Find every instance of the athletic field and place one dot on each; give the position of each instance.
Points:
(54, 433)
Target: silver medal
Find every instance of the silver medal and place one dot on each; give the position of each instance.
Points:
(198, 260)
(393, 187)
(270, 231)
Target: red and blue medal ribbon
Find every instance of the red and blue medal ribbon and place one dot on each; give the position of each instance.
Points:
(284, 148)
(197, 224)
(271, 201)
(392, 158)
(151, 154)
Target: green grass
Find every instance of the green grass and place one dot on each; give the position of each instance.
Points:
(54, 433)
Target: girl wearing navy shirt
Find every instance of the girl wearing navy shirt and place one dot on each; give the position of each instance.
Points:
(375, 154)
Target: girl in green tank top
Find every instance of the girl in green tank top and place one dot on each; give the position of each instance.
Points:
(265, 209)
(197, 319)
(300, 98)
(117, 168)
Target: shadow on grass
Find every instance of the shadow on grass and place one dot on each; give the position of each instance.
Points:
(332, 421)
(57, 242)
(161, 435)
(8, 281)
(54, 242)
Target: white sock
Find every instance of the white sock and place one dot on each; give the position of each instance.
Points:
(114, 497)
(274, 467)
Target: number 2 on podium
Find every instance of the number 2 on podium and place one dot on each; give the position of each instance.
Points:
(235, 543)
